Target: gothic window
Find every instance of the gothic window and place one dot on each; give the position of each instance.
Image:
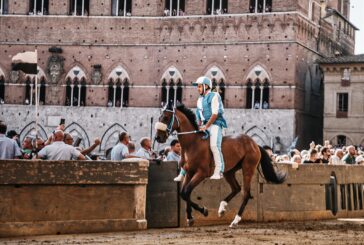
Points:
(76, 87)
(38, 7)
(42, 91)
(249, 94)
(4, 6)
(2, 90)
(265, 104)
(68, 92)
(121, 7)
(260, 6)
(118, 88)
(174, 7)
(218, 81)
(79, 7)
(217, 7)
(171, 91)
(258, 93)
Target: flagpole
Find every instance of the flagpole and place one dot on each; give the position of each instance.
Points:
(36, 98)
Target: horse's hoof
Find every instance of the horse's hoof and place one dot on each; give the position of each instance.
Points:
(222, 209)
(190, 222)
(205, 212)
(235, 222)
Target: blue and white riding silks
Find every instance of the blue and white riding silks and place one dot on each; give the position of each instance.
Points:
(208, 105)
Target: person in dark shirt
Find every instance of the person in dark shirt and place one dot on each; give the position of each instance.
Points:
(313, 156)
(325, 156)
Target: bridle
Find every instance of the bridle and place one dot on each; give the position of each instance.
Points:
(169, 128)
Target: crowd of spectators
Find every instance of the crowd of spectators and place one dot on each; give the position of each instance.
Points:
(321, 154)
(60, 145)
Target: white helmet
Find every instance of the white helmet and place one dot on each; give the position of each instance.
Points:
(203, 80)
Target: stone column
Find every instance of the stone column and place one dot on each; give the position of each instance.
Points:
(253, 96)
(72, 86)
(261, 97)
(79, 93)
(114, 96)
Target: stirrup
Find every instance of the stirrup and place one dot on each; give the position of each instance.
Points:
(179, 178)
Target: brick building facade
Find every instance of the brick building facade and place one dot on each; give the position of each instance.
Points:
(131, 53)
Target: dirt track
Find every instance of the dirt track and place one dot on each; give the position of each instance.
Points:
(327, 232)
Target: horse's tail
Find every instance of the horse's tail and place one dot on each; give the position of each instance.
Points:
(268, 170)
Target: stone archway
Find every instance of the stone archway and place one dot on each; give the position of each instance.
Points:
(111, 137)
(259, 136)
(29, 129)
(78, 132)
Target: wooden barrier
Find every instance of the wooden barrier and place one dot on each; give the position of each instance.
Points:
(56, 197)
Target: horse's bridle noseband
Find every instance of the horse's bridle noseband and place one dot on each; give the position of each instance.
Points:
(168, 128)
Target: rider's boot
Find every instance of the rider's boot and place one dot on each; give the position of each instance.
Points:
(218, 171)
(181, 175)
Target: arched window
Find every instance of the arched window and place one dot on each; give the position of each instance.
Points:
(120, 82)
(42, 91)
(76, 87)
(38, 7)
(341, 140)
(259, 92)
(218, 81)
(80, 7)
(249, 94)
(2, 90)
(121, 7)
(125, 93)
(265, 104)
(4, 6)
(217, 7)
(83, 92)
(179, 91)
(260, 6)
(174, 7)
(171, 91)
(68, 92)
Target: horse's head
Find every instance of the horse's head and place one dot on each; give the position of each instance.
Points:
(168, 122)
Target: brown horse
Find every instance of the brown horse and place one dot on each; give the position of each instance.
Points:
(239, 152)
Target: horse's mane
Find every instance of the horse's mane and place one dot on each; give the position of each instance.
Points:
(191, 116)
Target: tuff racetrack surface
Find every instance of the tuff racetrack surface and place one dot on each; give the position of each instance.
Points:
(312, 232)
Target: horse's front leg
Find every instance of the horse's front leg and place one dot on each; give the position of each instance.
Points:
(183, 194)
(186, 195)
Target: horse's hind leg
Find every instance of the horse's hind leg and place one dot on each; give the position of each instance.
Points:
(235, 189)
(186, 195)
(249, 166)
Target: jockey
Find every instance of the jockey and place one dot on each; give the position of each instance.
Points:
(210, 117)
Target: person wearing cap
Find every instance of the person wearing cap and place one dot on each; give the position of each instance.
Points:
(210, 118)
(209, 114)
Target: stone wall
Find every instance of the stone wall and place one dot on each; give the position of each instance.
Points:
(105, 123)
